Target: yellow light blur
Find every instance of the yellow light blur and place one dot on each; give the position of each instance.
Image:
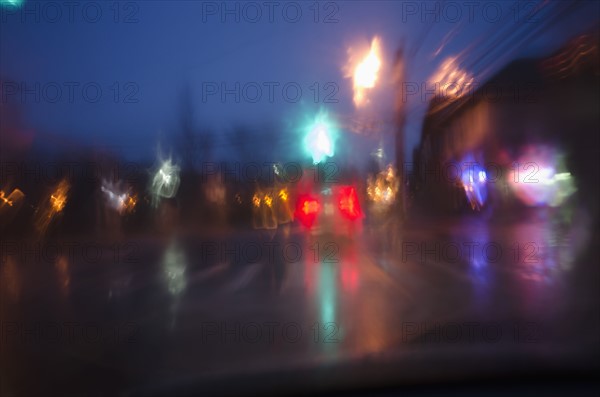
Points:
(5, 200)
(130, 203)
(383, 188)
(283, 195)
(58, 199)
(268, 200)
(52, 206)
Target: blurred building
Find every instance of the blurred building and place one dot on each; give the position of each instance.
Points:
(531, 102)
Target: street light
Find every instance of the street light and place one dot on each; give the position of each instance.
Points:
(365, 72)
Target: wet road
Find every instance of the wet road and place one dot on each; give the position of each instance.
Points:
(149, 315)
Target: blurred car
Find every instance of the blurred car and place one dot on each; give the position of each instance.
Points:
(332, 210)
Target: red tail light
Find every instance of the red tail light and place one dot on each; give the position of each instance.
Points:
(348, 203)
(307, 208)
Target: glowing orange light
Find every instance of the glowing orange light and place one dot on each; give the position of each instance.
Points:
(58, 202)
(382, 189)
(52, 206)
(365, 72)
(58, 199)
(451, 80)
(129, 204)
(10, 205)
(283, 195)
(5, 200)
(268, 200)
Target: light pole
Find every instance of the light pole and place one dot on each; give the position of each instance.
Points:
(400, 123)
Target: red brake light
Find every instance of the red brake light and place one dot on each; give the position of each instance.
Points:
(307, 208)
(348, 203)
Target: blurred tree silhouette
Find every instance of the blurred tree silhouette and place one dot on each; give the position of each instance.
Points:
(196, 144)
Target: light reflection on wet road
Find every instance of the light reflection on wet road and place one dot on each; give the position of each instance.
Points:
(188, 306)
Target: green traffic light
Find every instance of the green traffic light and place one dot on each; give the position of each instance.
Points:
(319, 141)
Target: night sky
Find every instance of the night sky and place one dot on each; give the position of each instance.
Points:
(152, 51)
